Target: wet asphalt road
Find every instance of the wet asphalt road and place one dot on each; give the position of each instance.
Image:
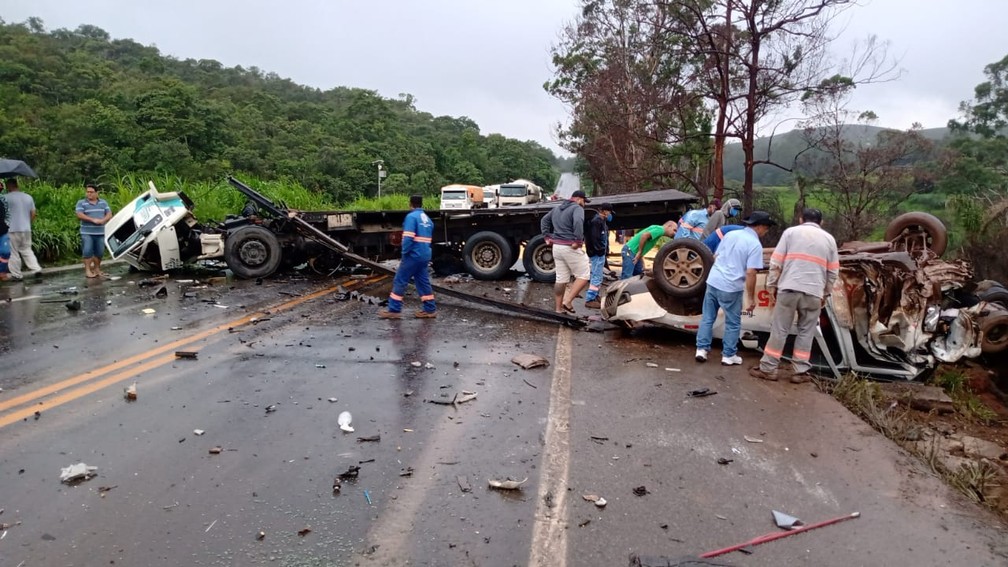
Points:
(607, 416)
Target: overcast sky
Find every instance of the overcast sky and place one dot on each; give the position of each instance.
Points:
(488, 60)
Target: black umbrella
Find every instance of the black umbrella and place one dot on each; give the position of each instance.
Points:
(15, 168)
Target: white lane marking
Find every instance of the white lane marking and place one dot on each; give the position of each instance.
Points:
(549, 534)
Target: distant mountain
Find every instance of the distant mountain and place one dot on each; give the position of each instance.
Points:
(784, 148)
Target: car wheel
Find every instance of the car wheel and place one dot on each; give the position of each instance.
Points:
(995, 294)
(488, 255)
(681, 267)
(917, 231)
(995, 333)
(538, 260)
(252, 252)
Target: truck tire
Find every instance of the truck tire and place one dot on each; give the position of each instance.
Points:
(995, 294)
(488, 255)
(538, 260)
(681, 267)
(913, 231)
(252, 252)
(995, 333)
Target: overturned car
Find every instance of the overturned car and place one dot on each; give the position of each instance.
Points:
(896, 309)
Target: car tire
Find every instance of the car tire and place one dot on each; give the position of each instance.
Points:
(681, 267)
(995, 294)
(488, 255)
(905, 232)
(995, 333)
(538, 260)
(252, 252)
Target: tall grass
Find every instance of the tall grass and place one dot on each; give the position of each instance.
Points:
(56, 230)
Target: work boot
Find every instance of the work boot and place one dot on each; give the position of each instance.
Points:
(425, 314)
(386, 314)
(800, 378)
(757, 372)
(593, 304)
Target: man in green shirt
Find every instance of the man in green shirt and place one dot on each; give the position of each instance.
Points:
(642, 243)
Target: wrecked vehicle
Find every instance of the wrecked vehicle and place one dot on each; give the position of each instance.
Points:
(896, 309)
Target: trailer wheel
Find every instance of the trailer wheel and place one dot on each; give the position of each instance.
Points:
(538, 260)
(681, 267)
(252, 252)
(917, 231)
(488, 255)
(995, 333)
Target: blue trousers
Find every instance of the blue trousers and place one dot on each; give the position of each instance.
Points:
(629, 268)
(595, 281)
(731, 304)
(415, 269)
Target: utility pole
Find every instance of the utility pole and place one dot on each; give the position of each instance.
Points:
(381, 173)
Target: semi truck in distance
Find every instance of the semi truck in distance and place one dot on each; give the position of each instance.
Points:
(518, 192)
(458, 196)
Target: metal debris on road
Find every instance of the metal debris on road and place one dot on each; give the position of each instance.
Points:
(599, 440)
(344, 420)
(507, 484)
(353, 471)
(651, 365)
(458, 398)
(372, 438)
(416, 364)
(723, 461)
(188, 354)
(463, 483)
(130, 393)
(161, 292)
(640, 490)
(210, 526)
(752, 439)
(701, 392)
(148, 311)
(528, 361)
(408, 471)
(674, 369)
(337, 484)
(320, 366)
(333, 400)
(79, 471)
(529, 383)
(271, 408)
(198, 431)
(304, 531)
(261, 535)
(786, 521)
(216, 450)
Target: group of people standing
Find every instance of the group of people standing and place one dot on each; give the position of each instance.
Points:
(18, 212)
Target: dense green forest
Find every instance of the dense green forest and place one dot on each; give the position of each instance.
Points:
(79, 105)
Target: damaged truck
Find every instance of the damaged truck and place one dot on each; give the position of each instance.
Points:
(896, 309)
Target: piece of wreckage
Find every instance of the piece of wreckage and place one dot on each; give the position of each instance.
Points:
(896, 309)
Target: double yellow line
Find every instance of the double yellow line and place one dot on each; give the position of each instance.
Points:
(69, 389)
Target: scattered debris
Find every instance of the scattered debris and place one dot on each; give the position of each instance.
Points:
(353, 471)
(463, 483)
(198, 432)
(458, 398)
(271, 408)
(528, 361)
(148, 311)
(723, 461)
(337, 484)
(190, 354)
(529, 383)
(216, 450)
(416, 364)
(785, 521)
(320, 366)
(752, 439)
(701, 392)
(161, 292)
(261, 535)
(73, 305)
(130, 393)
(778, 535)
(651, 365)
(598, 500)
(583, 523)
(344, 420)
(80, 471)
(507, 484)
(599, 440)
(640, 491)
(372, 438)
(674, 369)
(304, 531)
(367, 496)
(408, 471)
(333, 400)
(103, 489)
(210, 526)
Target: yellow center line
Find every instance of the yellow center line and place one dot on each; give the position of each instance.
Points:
(145, 361)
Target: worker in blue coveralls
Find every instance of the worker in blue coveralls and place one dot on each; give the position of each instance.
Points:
(418, 228)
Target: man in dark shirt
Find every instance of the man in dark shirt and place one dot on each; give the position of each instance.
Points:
(596, 245)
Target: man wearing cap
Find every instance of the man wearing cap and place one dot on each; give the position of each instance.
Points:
(717, 218)
(596, 244)
(803, 268)
(739, 256)
(563, 228)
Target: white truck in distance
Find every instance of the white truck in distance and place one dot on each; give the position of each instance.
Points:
(518, 192)
(458, 196)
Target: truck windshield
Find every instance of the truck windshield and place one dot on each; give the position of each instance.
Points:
(453, 195)
(513, 191)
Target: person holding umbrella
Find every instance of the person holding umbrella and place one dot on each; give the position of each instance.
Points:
(22, 213)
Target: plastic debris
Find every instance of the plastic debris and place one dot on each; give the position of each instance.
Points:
(507, 484)
(344, 420)
(198, 432)
(528, 361)
(674, 369)
(786, 521)
(130, 393)
(752, 439)
(148, 311)
(651, 365)
(367, 496)
(416, 364)
(80, 471)
(333, 400)
(320, 366)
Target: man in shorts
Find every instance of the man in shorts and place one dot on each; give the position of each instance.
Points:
(93, 213)
(563, 228)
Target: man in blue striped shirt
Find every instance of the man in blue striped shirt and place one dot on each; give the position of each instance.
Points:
(93, 213)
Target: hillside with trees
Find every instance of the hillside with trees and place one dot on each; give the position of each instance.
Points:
(79, 105)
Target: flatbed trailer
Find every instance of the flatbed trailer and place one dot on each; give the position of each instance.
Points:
(487, 241)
